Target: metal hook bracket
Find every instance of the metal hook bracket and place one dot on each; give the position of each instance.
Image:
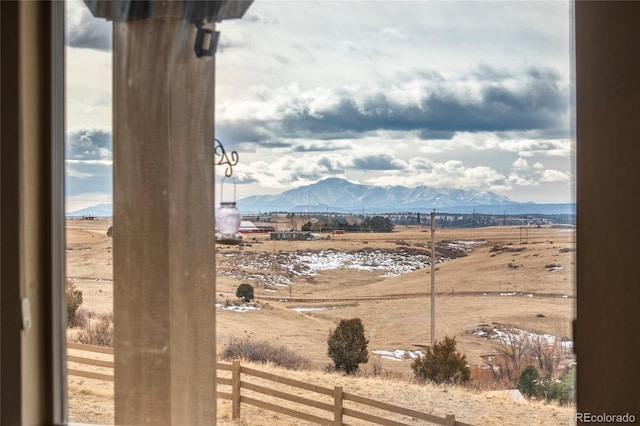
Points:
(206, 40)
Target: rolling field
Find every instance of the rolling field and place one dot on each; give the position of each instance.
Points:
(522, 277)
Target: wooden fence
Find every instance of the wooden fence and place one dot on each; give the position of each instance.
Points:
(95, 356)
(333, 406)
(315, 404)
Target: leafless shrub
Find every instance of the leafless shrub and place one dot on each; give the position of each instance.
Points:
(516, 348)
(82, 317)
(98, 332)
(378, 371)
(264, 352)
(547, 352)
(511, 345)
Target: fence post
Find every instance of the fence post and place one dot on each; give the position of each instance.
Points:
(337, 406)
(235, 389)
(450, 420)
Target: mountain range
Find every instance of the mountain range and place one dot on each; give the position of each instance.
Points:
(341, 196)
(99, 210)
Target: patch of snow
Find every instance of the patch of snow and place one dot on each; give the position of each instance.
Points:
(465, 245)
(516, 335)
(513, 394)
(309, 263)
(308, 309)
(397, 355)
(234, 308)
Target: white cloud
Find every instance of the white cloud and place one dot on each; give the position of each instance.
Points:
(364, 83)
(520, 164)
(555, 176)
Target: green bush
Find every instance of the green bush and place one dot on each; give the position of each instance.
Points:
(567, 387)
(442, 364)
(245, 292)
(73, 298)
(561, 390)
(528, 381)
(348, 345)
(547, 388)
(263, 352)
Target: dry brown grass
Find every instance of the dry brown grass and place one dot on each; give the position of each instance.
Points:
(468, 406)
(389, 324)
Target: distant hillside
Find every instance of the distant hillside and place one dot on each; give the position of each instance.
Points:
(101, 210)
(339, 195)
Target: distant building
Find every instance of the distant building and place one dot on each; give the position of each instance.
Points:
(292, 236)
(247, 227)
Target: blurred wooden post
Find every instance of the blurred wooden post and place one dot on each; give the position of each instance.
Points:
(235, 389)
(163, 106)
(337, 405)
(450, 420)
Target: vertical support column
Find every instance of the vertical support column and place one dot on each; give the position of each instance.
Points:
(450, 420)
(28, 247)
(337, 405)
(163, 223)
(235, 389)
(608, 90)
(10, 216)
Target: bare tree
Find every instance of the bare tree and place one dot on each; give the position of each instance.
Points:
(512, 344)
(546, 350)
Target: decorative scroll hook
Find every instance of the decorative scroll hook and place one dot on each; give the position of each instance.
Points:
(224, 158)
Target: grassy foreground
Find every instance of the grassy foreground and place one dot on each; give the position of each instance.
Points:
(92, 402)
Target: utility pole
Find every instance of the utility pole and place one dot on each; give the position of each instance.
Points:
(433, 277)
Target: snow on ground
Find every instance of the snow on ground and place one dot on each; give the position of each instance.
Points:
(390, 263)
(237, 308)
(397, 355)
(309, 309)
(516, 334)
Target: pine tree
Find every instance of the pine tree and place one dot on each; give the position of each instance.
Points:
(528, 381)
(245, 292)
(348, 345)
(442, 363)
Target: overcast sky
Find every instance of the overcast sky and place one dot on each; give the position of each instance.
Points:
(472, 95)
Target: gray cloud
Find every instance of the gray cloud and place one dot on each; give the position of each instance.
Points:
(500, 108)
(85, 31)
(314, 147)
(89, 144)
(533, 100)
(333, 167)
(88, 156)
(376, 162)
(262, 18)
(88, 178)
(244, 130)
